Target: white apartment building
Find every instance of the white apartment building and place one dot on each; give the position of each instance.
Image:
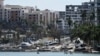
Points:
(43, 17)
(1, 3)
(17, 12)
(50, 16)
(13, 12)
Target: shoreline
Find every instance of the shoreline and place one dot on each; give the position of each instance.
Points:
(52, 51)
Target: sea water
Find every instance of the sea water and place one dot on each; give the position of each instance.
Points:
(45, 54)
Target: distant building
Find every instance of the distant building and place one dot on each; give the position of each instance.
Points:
(43, 18)
(9, 34)
(1, 9)
(32, 15)
(1, 3)
(75, 11)
(97, 10)
(62, 26)
(62, 14)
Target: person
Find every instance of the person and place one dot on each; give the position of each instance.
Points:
(65, 50)
(38, 50)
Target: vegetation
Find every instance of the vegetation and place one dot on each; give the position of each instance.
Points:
(70, 23)
(54, 32)
(84, 15)
(87, 30)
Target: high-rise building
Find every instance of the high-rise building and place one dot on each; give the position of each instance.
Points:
(1, 9)
(97, 11)
(74, 12)
(1, 3)
(13, 12)
(44, 17)
(17, 12)
(62, 14)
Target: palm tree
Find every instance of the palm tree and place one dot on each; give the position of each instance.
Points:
(87, 32)
(83, 15)
(92, 17)
(69, 23)
(17, 39)
(54, 32)
(37, 30)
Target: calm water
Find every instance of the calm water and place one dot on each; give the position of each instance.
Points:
(44, 54)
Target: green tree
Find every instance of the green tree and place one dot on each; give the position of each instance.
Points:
(37, 30)
(87, 32)
(54, 32)
(70, 23)
(83, 15)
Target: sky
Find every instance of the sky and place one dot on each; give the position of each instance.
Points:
(58, 5)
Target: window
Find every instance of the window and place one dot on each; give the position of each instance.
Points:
(74, 15)
(75, 9)
(70, 7)
(98, 3)
(67, 15)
